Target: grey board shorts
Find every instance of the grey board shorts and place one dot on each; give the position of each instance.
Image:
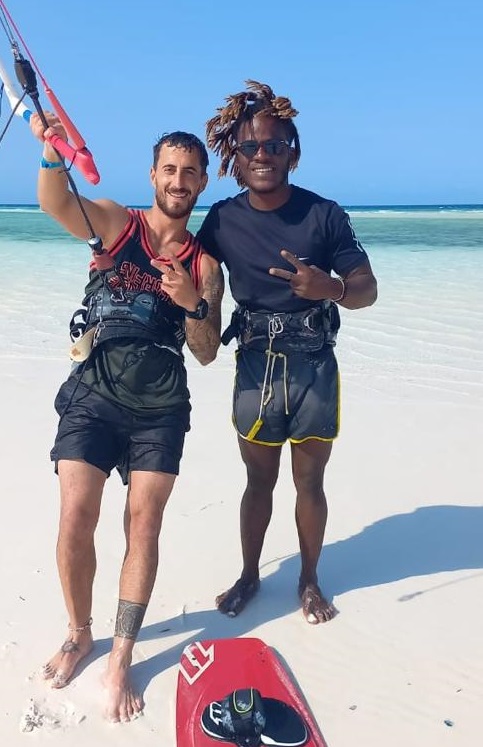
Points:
(279, 397)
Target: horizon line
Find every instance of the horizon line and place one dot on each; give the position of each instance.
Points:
(347, 205)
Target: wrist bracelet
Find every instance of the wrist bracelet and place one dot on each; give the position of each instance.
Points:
(44, 164)
(336, 300)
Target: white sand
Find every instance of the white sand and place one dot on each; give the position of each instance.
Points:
(403, 556)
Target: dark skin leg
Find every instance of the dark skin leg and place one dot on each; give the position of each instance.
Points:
(262, 465)
(308, 464)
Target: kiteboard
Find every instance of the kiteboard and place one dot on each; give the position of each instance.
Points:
(243, 678)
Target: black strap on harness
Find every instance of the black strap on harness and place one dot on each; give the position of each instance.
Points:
(131, 314)
(290, 331)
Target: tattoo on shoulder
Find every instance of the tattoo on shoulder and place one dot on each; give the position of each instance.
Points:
(129, 619)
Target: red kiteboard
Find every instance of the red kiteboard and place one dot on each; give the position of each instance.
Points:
(210, 670)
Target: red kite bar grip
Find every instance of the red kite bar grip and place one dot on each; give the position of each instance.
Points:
(80, 157)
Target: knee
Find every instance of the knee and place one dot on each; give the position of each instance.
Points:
(78, 521)
(309, 485)
(262, 479)
(145, 526)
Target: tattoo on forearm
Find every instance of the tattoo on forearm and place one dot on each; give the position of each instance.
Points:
(129, 619)
(214, 286)
(204, 337)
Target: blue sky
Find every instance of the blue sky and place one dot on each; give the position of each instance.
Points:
(389, 92)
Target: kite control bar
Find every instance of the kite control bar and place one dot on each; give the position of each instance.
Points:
(77, 153)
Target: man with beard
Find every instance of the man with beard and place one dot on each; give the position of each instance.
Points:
(292, 258)
(126, 401)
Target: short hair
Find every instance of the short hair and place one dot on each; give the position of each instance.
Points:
(258, 100)
(185, 140)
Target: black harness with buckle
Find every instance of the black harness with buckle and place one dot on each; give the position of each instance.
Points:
(288, 331)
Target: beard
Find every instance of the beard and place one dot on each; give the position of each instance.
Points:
(178, 209)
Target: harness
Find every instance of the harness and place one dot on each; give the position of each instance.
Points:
(137, 314)
(284, 332)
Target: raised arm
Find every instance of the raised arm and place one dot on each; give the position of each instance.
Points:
(57, 200)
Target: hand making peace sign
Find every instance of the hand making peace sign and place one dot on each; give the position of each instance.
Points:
(177, 283)
(307, 281)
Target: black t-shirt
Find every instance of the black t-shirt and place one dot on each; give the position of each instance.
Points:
(248, 241)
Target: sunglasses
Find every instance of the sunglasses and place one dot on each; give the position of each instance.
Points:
(249, 148)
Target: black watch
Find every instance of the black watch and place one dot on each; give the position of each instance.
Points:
(201, 311)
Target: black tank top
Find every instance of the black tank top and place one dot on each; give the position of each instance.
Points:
(137, 374)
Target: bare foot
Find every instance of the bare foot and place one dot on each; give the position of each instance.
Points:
(232, 602)
(315, 606)
(61, 667)
(122, 703)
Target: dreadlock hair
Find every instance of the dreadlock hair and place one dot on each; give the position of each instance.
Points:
(257, 101)
(181, 140)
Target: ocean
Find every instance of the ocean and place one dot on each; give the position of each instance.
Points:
(423, 338)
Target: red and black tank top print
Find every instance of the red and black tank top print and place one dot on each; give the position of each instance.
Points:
(132, 254)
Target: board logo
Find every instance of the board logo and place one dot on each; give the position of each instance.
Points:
(216, 713)
(196, 660)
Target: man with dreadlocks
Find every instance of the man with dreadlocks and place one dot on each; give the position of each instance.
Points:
(292, 258)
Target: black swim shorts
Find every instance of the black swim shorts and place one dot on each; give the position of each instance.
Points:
(106, 435)
(281, 397)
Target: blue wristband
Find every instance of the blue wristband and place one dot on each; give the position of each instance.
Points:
(50, 164)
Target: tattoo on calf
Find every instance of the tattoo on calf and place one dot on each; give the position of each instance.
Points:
(129, 619)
